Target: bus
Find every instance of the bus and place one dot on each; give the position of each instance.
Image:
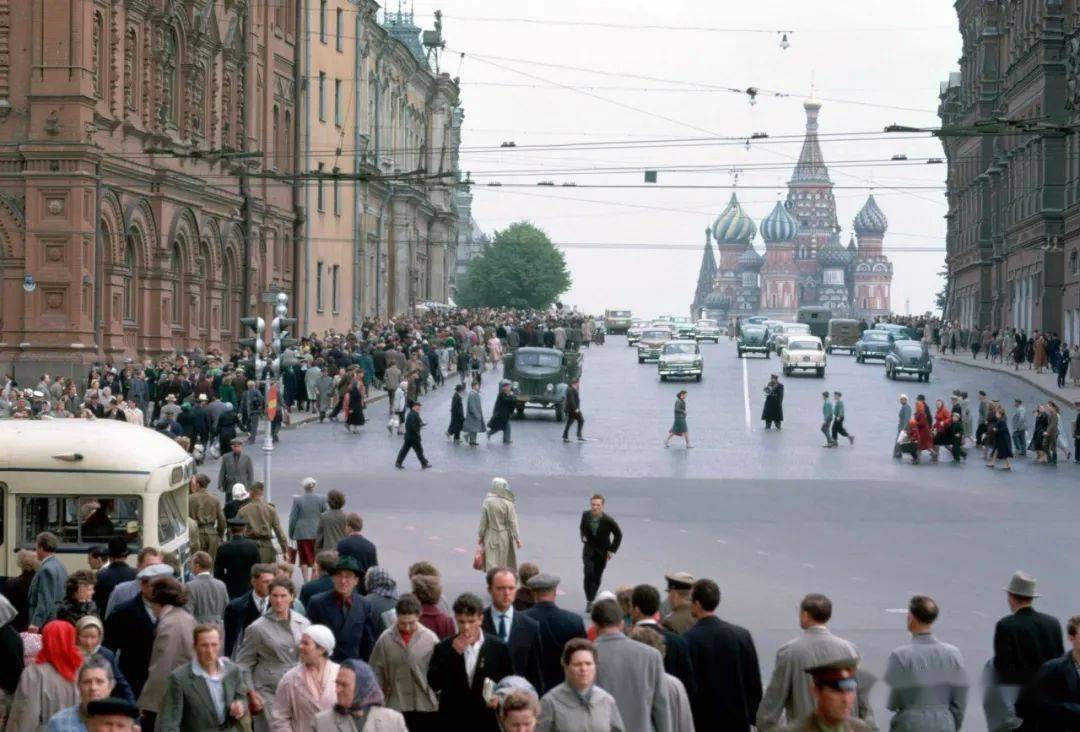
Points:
(817, 318)
(87, 481)
(617, 322)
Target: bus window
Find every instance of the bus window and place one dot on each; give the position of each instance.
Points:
(172, 520)
(80, 521)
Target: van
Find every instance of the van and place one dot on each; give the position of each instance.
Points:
(843, 335)
(88, 481)
(816, 317)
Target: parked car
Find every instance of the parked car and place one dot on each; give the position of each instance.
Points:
(908, 358)
(873, 344)
(652, 343)
(805, 352)
(680, 359)
(707, 330)
(843, 335)
(778, 338)
(753, 339)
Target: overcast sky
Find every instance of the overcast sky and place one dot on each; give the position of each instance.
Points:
(872, 62)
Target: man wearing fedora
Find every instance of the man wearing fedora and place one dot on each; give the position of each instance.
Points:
(236, 467)
(1026, 639)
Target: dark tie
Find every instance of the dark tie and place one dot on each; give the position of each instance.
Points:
(502, 627)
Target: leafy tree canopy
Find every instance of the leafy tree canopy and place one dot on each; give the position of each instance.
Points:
(521, 268)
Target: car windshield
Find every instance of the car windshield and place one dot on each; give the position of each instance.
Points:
(876, 336)
(804, 346)
(656, 335)
(706, 323)
(540, 359)
(753, 329)
(911, 351)
(680, 348)
(797, 328)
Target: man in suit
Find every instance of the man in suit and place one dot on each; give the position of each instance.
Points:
(1026, 639)
(601, 537)
(725, 663)
(207, 597)
(631, 672)
(463, 665)
(789, 693)
(236, 467)
(47, 586)
(519, 632)
(678, 618)
(235, 558)
(112, 574)
(129, 629)
(556, 627)
(345, 612)
(357, 546)
(1051, 702)
(188, 707)
(249, 607)
(645, 611)
(323, 581)
(413, 424)
(573, 411)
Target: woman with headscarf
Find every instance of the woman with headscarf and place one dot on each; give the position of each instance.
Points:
(88, 634)
(359, 706)
(380, 590)
(50, 684)
(498, 531)
(308, 687)
(270, 648)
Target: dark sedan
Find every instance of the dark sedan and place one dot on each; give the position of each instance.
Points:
(873, 344)
(908, 358)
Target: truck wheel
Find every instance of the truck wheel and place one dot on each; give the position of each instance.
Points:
(766, 355)
(926, 378)
(829, 350)
(787, 371)
(663, 378)
(520, 411)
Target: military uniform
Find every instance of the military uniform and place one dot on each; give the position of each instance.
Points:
(813, 723)
(263, 523)
(679, 620)
(839, 676)
(209, 518)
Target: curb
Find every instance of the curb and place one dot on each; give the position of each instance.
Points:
(1051, 392)
(306, 418)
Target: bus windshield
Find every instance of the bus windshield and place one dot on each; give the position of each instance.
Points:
(171, 520)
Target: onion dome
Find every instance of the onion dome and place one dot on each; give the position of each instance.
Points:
(779, 226)
(870, 219)
(833, 253)
(733, 225)
(717, 300)
(750, 260)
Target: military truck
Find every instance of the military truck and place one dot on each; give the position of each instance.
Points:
(541, 376)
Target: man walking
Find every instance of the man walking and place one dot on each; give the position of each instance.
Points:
(773, 411)
(573, 411)
(505, 403)
(263, 524)
(601, 537)
(679, 618)
(235, 558)
(1018, 428)
(928, 684)
(251, 409)
(827, 418)
(1025, 639)
(902, 419)
(631, 672)
(207, 513)
(356, 545)
(834, 690)
(413, 425)
(838, 419)
(236, 467)
(1052, 701)
(47, 586)
(980, 429)
(474, 414)
(520, 632)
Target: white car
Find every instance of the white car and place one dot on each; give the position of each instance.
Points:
(785, 332)
(707, 330)
(633, 334)
(803, 352)
(680, 359)
(651, 343)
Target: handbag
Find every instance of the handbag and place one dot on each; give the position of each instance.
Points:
(393, 423)
(479, 561)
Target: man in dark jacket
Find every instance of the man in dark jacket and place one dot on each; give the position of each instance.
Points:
(235, 558)
(520, 632)
(249, 607)
(645, 611)
(557, 626)
(573, 411)
(505, 403)
(413, 424)
(601, 538)
(457, 414)
(461, 665)
(129, 633)
(357, 546)
(117, 571)
(725, 666)
(1026, 639)
(1051, 702)
(345, 612)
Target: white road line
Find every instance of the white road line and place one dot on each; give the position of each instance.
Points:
(746, 393)
(721, 541)
(896, 610)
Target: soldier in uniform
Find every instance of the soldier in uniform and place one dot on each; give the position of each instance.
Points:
(206, 511)
(834, 691)
(679, 619)
(263, 524)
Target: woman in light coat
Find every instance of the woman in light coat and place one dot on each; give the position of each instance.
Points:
(48, 685)
(499, 527)
(401, 668)
(359, 696)
(270, 648)
(577, 704)
(295, 704)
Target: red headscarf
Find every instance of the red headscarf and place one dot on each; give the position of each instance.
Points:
(58, 648)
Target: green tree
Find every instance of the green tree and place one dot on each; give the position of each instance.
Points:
(521, 268)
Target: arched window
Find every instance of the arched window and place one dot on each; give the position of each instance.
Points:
(170, 80)
(175, 284)
(205, 275)
(286, 164)
(129, 277)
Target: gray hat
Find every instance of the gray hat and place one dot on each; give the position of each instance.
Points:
(236, 440)
(152, 571)
(543, 582)
(1022, 585)
(679, 580)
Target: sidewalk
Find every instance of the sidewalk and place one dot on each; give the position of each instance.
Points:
(297, 419)
(1046, 382)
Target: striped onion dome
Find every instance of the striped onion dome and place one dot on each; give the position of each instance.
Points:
(833, 253)
(733, 225)
(750, 260)
(780, 225)
(870, 219)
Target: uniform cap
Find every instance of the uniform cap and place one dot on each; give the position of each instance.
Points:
(679, 580)
(110, 707)
(838, 674)
(237, 521)
(543, 582)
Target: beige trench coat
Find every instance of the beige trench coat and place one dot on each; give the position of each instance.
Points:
(294, 706)
(268, 650)
(402, 672)
(173, 647)
(499, 529)
(42, 692)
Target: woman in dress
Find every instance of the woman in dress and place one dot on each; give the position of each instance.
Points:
(499, 537)
(270, 648)
(49, 685)
(495, 350)
(308, 687)
(1001, 448)
(577, 704)
(942, 428)
(678, 427)
(354, 404)
(359, 703)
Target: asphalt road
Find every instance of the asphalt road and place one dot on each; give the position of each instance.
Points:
(769, 515)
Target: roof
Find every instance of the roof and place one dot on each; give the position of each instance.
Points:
(733, 225)
(104, 444)
(811, 165)
(779, 225)
(870, 219)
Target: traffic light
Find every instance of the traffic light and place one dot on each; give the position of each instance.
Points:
(254, 365)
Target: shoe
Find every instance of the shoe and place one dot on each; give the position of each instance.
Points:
(399, 466)
(582, 439)
(425, 466)
(566, 440)
(852, 439)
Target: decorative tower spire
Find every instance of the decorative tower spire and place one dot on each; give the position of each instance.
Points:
(811, 165)
(706, 274)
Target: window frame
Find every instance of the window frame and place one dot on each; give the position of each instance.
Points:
(339, 36)
(318, 287)
(28, 531)
(320, 202)
(322, 96)
(322, 21)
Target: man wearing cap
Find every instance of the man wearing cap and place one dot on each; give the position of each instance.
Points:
(236, 467)
(1026, 639)
(235, 558)
(678, 618)
(345, 612)
(205, 510)
(263, 524)
(206, 678)
(112, 574)
(412, 441)
(833, 688)
(557, 626)
(129, 630)
(111, 715)
(124, 591)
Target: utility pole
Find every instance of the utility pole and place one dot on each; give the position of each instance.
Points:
(281, 343)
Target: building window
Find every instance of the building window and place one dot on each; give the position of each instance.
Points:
(95, 48)
(319, 189)
(322, 20)
(334, 287)
(340, 30)
(174, 285)
(131, 43)
(227, 280)
(337, 102)
(322, 96)
(275, 138)
(1074, 262)
(129, 278)
(287, 163)
(318, 287)
(337, 192)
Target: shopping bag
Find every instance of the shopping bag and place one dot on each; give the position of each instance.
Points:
(479, 561)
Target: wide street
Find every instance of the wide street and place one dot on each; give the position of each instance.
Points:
(769, 515)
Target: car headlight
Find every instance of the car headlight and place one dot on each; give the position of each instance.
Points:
(515, 386)
(550, 387)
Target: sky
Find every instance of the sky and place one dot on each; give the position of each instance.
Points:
(663, 102)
